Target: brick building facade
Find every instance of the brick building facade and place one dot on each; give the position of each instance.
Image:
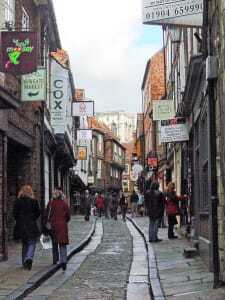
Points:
(30, 150)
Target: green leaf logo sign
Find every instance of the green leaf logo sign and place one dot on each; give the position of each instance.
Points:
(14, 53)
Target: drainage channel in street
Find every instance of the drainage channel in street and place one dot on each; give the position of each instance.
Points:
(138, 286)
(60, 277)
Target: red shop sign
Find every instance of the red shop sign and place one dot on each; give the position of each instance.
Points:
(152, 162)
(18, 54)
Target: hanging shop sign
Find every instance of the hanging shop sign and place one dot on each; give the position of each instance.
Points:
(61, 56)
(153, 162)
(137, 168)
(175, 130)
(83, 109)
(91, 179)
(133, 176)
(18, 53)
(59, 97)
(33, 86)
(82, 153)
(176, 12)
(163, 110)
(79, 94)
(84, 135)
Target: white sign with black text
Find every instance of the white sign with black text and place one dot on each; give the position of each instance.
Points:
(84, 135)
(177, 12)
(175, 130)
(59, 96)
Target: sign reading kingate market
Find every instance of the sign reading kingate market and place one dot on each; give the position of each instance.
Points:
(18, 53)
(33, 86)
(176, 12)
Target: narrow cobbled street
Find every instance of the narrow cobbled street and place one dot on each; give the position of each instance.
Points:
(104, 273)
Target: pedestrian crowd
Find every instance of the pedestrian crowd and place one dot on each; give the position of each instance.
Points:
(54, 228)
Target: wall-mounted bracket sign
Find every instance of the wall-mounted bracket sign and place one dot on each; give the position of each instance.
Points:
(163, 110)
(174, 130)
(84, 135)
(33, 86)
(82, 153)
(176, 12)
(83, 109)
(18, 53)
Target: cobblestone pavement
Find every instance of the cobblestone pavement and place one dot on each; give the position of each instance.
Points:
(181, 278)
(104, 274)
(12, 275)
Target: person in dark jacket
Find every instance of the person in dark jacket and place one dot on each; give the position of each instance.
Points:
(123, 206)
(26, 211)
(59, 216)
(87, 203)
(155, 202)
(114, 205)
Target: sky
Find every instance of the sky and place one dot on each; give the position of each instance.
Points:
(109, 48)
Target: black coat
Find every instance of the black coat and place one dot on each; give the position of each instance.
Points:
(155, 203)
(26, 212)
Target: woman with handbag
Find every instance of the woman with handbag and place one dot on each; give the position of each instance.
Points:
(57, 225)
(26, 211)
(172, 209)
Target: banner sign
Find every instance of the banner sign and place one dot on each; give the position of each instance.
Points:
(84, 135)
(153, 162)
(61, 56)
(80, 94)
(176, 12)
(82, 153)
(18, 53)
(59, 96)
(83, 109)
(163, 110)
(33, 86)
(175, 130)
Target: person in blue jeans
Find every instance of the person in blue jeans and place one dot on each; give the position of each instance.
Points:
(26, 211)
(155, 202)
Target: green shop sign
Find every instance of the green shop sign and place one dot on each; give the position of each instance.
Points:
(34, 86)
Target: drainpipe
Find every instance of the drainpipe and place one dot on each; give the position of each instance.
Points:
(212, 154)
(4, 189)
(143, 128)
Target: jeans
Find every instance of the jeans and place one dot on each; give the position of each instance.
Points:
(153, 229)
(59, 252)
(123, 211)
(28, 249)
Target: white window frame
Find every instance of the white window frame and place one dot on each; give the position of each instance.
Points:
(9, 11)
(25, 22)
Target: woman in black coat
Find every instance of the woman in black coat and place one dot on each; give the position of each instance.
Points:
(26, 212)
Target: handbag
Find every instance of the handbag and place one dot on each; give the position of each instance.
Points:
(46, 242)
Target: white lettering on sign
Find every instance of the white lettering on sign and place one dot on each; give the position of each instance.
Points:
(179, 12)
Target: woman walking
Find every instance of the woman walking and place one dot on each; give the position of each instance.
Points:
(58, 215)
(26, 211)
(172, 209)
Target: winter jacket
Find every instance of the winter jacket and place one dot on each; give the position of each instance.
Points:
(100, 202)
(172, 204)
(26, 211)
(155, 203)
(59, 217)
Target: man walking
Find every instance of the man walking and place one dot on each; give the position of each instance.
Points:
(155, 202)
